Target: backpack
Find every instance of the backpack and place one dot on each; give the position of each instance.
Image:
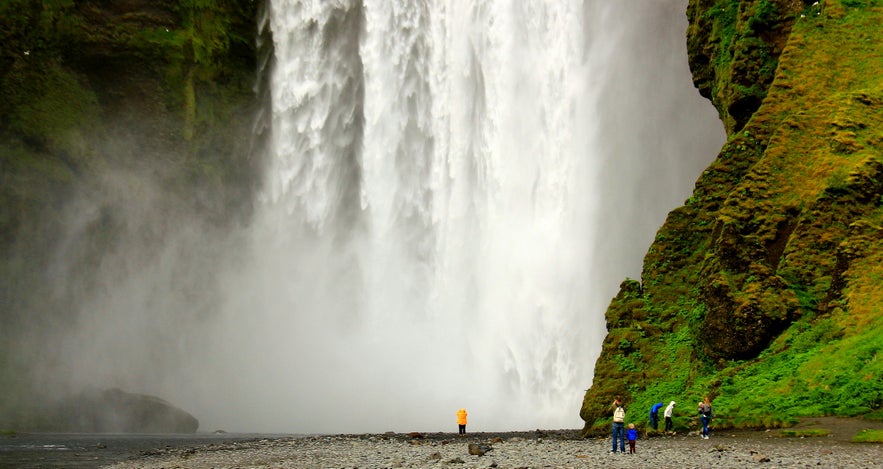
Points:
(619, 415)
(705, 410)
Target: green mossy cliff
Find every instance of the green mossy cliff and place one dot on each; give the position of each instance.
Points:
(107, 105)
(765, 290)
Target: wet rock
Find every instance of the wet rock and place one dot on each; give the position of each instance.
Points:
(478, 450)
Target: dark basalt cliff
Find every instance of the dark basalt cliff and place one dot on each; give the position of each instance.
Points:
(764, 290)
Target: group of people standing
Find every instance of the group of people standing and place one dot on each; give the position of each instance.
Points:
(620, 435)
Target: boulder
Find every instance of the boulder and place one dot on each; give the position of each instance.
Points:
(118, 411)
(478, 450)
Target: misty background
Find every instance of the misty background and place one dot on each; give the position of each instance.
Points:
(450, 196)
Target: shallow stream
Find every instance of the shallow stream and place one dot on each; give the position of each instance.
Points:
(81, 450)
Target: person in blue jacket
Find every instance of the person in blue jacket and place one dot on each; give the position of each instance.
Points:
(632, 435)
(654, 415)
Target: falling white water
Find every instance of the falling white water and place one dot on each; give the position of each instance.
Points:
(431, 217)
(427, 220)
(453, 193)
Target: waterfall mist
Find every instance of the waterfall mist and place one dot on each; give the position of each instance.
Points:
(453, 193)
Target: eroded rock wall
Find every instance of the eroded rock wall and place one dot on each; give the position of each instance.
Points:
(758, 291)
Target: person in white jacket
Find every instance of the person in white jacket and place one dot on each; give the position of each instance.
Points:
(667, 414)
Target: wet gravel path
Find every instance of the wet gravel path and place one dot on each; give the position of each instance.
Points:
(520, 450)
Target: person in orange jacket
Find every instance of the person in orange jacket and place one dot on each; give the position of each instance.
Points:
(461, 420)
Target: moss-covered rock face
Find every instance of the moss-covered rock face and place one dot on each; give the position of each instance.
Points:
(734, 47)
(168, 74)
(763, 291)
(154, 92)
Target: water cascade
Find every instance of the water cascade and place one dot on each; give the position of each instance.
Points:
(454, 191)
(432, 228)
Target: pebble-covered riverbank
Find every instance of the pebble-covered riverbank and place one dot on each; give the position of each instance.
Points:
(528, 451)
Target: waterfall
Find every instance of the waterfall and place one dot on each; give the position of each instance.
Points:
(453, 192)
(433, 233)
(427, 213)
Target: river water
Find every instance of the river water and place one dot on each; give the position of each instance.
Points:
(81, 450)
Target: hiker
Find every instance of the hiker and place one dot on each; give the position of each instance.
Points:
(706, 413)
(461, 421)
(633, 437)
(618, 424)
(654, 416)
(667, 414)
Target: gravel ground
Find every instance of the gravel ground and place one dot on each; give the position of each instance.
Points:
(561, 449)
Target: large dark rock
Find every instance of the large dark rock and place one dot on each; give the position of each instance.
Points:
(118, 411)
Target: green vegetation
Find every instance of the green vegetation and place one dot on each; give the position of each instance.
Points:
(764, 290)
(805, 433)
(869, 436)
